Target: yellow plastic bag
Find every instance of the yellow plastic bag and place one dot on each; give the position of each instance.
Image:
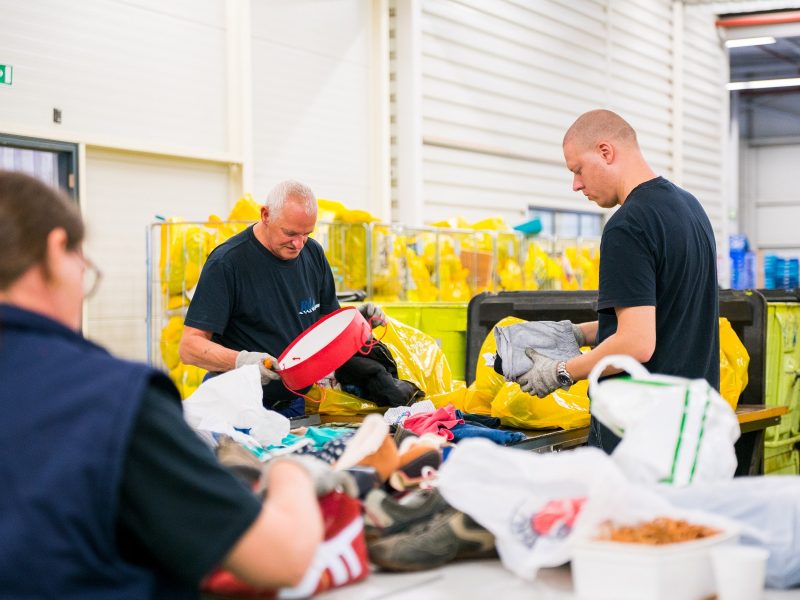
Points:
(733, 363)
(170, 340)
(455, 397)
(494, 395)
(419, 358)
(565, 409)
(184, 249)
(328, 401)
(187, 378)
(486, 378)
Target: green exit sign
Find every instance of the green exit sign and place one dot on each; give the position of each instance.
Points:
(6, 72)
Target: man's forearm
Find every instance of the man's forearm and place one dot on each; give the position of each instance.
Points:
(207, 355)
(589, 332)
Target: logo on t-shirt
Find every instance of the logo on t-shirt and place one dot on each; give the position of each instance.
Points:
(308, 306)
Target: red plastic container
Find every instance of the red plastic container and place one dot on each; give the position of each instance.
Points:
(323, 348)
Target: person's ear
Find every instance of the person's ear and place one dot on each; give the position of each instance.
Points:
(606, 152)
(265, 214)
(56, 251)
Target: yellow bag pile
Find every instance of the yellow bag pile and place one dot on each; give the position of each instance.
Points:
(187, 378)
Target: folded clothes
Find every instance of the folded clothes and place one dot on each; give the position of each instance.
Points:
(439, 422)
(553, 339)
(498, 436)
(476, 419)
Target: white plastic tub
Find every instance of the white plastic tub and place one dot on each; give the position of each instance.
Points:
(603, 570)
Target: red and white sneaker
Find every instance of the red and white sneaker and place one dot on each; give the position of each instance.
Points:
(341, 558)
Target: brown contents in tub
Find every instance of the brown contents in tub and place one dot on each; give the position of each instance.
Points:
(658, 531)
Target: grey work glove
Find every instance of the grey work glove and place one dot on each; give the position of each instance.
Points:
(542, 378)
(324, 478)
(579, 337)
(372, 311)
(268, 374)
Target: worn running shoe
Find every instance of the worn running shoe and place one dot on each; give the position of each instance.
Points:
(448, 536)
(384, 515)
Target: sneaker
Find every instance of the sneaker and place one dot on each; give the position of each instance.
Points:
(240, 461)
(371, 446)
(384, 515)
(449, 535)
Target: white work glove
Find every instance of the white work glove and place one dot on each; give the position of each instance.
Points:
(268, 374)
(542, 378)
(324, 478)
(372, 311)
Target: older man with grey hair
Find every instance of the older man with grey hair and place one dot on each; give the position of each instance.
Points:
(259, 290)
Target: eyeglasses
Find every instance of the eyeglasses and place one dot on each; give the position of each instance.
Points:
(91, 278)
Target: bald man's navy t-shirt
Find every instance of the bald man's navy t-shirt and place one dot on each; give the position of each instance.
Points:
(658, 250)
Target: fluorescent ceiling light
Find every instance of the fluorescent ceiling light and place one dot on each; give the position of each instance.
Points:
(761, 84)
(754, 41)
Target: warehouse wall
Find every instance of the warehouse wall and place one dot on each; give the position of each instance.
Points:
(142, 72)
(702, 167)
(170, 124)
(311, 96)
(771, 207)
(178, 105)
(500, 82)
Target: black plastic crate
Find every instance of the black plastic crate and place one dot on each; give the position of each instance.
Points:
(746, 311)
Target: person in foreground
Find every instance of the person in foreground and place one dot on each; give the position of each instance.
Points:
(107, 493)
(658, 298)
(259, 290)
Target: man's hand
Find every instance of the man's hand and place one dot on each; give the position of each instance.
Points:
(542, 378)
(325, 479)
(372, 313)
(268, 374)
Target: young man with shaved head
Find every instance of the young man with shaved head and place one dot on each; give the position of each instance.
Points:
(658, 298)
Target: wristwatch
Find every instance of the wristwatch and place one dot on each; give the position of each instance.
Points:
(564, 378)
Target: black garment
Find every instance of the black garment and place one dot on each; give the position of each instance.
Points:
(180, 511)
(658, 250)
(374, 377)
(252, 300)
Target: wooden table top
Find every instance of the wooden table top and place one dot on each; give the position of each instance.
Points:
(747, 413)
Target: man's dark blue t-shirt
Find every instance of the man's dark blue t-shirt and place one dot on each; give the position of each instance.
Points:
(658, 250)
(252, 300)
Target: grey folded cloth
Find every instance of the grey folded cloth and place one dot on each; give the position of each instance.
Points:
(554, 339)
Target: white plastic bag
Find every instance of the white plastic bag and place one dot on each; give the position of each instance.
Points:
(233, 399)
(539, 505)
(528, 501)
(768, 507)
(674, 430)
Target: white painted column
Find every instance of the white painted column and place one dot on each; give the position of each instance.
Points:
(240, 94)
(410, 200)
(677, 92)
(380, 178)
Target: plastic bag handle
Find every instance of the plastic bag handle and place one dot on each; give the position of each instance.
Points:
(621, 361)
(371, 341)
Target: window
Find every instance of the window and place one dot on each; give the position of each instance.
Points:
(54, 163)
(569, 224)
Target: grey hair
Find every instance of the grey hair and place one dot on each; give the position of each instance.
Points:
(290, 189)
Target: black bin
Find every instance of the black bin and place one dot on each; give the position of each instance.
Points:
(746, 310)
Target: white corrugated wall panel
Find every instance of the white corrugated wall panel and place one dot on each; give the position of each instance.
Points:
(125, 192)
(310, 96)
(141, 73)
(502, 81)
(704, 116)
